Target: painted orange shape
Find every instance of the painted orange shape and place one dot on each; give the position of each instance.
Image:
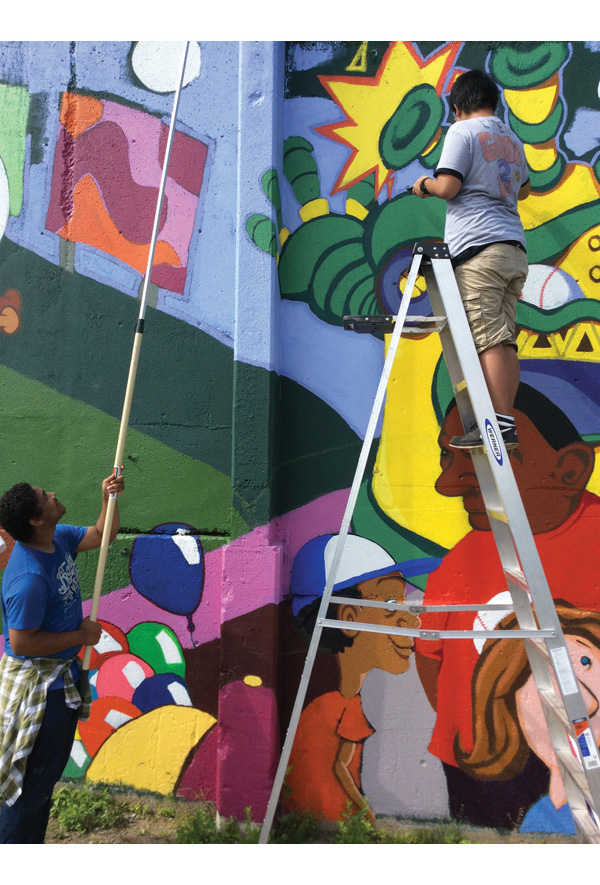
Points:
(10, 311)
(90, 223)
(79, 112)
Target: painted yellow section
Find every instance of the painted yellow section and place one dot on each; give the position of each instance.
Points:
(253, 681)
(359, 62)
(580, 342)
(533, 105)
(371, 102)
(577, 186)
(582, 262)
(148, 753)
(540, 157)
(353, 207)
(408, 458)
(433, 143)
(314, 209)
(594, 483)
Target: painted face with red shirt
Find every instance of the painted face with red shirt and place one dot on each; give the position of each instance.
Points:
(550, 481)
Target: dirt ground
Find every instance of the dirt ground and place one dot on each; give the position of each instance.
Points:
(152, 819)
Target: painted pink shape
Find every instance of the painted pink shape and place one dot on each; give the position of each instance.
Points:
(120, 675)
(127, 608)
(199, 780)
(248, 749)
(142, 132)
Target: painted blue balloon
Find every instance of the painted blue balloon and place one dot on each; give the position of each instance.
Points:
(167, 567)
(161, 690)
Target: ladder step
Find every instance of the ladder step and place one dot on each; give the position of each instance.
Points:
(497, 513)
(586, 824)
(554, 704)
(574, 769)
(517, 576)
(383, 324)
(539, 647)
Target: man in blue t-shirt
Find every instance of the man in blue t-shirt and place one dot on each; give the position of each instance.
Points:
(43, 621)
(482, 174)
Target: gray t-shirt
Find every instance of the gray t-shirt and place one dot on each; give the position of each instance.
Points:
(489, 160)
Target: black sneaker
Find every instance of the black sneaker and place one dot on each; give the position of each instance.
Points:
(472, 439)
(511, 440)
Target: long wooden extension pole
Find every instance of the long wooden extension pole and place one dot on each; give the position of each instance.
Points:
(137, 344)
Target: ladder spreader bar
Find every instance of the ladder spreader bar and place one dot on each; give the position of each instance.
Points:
(392, 605)
(433, 635)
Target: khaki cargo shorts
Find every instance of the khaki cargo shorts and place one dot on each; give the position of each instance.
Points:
(490, 285)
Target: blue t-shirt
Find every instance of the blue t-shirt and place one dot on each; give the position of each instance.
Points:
(490, 161)
(42, 589)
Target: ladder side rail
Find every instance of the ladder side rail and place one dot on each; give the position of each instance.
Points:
(498, 478)
(339, 547)
(494, 471)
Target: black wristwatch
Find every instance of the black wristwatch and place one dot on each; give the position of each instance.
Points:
(422, 187)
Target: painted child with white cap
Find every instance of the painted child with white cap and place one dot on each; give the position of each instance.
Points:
(325, 775)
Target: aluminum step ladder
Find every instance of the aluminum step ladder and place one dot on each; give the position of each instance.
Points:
(539, 626)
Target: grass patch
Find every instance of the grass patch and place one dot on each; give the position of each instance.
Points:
(85, 809)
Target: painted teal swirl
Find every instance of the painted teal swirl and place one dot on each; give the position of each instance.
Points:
(538, 133)
(522, 67)
(300, 169)
(412, 127)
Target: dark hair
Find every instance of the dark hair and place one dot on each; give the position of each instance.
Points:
(552, 423)
(17, 506)
(332, 639)
(474, 91)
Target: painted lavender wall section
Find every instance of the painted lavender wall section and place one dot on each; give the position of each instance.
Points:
(286, 210)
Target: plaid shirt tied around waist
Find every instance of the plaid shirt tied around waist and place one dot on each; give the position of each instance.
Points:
(24, 684)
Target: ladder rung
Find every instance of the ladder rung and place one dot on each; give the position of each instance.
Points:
(433, 635)
(555, 705)
(497, 513)
(517, 576)
(586, 823)
(574, 769)
(539, 647)
(394, 605)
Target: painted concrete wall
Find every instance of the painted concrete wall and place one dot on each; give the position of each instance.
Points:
(195, 571)
(287, 209)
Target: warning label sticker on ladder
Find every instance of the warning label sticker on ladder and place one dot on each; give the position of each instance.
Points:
(587, 744)
(564, 671)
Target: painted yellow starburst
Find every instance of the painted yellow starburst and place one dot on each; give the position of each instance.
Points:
(369, 102)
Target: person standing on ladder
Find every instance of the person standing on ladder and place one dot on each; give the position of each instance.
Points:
(482, 173)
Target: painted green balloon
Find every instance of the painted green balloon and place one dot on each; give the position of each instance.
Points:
(521, 67)
(412, 127)
(158, 646)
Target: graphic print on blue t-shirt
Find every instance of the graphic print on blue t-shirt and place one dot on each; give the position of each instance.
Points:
(42, 589)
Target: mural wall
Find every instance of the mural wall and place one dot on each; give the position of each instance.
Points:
(286, 209)
(362, 121)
